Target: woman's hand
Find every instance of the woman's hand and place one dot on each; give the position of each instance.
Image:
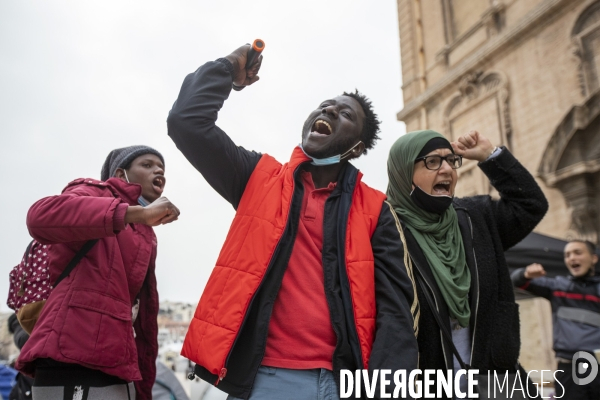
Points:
(473, 146)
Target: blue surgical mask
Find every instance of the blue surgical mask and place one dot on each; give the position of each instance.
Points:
(329, 160)
(141, 200)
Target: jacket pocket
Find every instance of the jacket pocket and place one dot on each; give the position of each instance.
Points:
(506, 336)
(97, 329)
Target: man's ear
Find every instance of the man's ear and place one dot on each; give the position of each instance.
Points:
(594, 260)
(358, 150)
(120, 173)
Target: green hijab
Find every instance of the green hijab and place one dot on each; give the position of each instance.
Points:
(438, 235)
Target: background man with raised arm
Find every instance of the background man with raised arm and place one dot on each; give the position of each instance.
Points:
(575, 301)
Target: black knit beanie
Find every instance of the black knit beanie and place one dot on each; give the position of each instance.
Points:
(121, 158)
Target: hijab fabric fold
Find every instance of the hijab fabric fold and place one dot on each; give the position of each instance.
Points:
(438, 235)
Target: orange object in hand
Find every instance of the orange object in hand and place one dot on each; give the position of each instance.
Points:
(257, 47)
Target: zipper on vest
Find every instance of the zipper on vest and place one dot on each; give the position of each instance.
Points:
(334, 362)
(223, 371)
(222, 375)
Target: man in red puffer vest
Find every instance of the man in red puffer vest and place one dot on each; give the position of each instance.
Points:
(311, 279)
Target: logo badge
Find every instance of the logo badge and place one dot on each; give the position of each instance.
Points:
(580, 367)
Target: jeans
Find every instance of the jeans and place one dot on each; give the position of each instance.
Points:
(293, 384)
(112, 392)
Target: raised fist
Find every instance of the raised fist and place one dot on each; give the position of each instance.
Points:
(534, 271)
(242, 76)
(473, 146)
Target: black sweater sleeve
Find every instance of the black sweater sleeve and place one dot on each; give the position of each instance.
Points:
(395, 346)
(522, 203)
(192, 126)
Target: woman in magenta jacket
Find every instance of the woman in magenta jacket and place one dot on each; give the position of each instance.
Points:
(88, 342)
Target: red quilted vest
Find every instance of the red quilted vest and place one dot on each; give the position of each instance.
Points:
(254, 234)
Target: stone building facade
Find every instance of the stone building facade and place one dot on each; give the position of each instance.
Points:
(526, 73)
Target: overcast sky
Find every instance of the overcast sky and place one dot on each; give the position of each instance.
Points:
(78, 79)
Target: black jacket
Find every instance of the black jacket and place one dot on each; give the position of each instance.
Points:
(488, 228)
(575, 310)
(227, 169)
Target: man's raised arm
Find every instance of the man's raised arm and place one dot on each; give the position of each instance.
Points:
(533, 279)
(191, 124)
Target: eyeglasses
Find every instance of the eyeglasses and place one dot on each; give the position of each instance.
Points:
(435, 162)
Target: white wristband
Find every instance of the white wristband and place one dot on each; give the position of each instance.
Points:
(497, 150)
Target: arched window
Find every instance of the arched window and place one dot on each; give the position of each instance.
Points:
(571, 163)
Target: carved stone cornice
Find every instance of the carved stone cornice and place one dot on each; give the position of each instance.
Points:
(583, 167)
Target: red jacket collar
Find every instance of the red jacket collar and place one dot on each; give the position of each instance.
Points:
(298, 157)
(130, 192)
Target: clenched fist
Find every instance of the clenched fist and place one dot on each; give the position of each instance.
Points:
(473, 146)
(159, 212)
(534, 271)
(242, 76)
